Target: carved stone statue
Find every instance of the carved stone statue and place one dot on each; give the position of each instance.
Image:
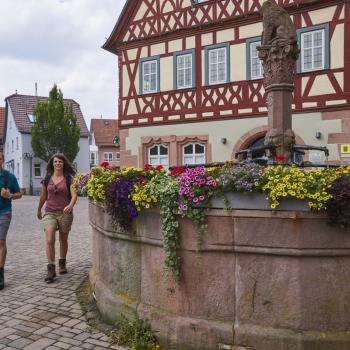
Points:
(278, 52)
(283, 143)
(279, 47)
(277, 24)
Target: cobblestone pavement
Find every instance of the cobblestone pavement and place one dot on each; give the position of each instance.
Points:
(35, 315)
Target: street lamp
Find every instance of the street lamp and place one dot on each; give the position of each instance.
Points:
(30, 156)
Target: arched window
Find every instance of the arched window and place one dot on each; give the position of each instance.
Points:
(193, 153)
(158, 155)
(258, 142)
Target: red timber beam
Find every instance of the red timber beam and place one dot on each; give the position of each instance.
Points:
(347, 48)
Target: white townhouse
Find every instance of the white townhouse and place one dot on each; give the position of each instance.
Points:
(19, 156)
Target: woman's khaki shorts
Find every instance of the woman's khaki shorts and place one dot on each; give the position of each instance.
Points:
(59, 221)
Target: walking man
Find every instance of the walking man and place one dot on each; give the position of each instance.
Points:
(9, 190)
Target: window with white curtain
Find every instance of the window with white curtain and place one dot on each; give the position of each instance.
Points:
(312, 50)
(193, 153)
(314, 45)
(149, 76)
(184, 71)
(217, 65)
(256, 69)
(107, 156)
(158, 155)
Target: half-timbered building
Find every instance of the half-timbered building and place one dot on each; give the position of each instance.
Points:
(191, 88)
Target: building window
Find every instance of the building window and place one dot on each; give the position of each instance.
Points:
(314, 48)
(37, 169)
(17, 170)
(158, 155)
(10, 124)
(117, 156)
(93, 158)
(184, 69)
(31, 117)
(17, 143)
(12, 146)
(149, 75)
(193, 153)
(7, 147)
(108, 156)
(254, 64)
(217, 64)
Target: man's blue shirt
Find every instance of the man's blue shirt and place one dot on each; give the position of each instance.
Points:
(5, 204)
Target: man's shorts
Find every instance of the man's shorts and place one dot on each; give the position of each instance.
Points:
(5, 220)
(58, 221)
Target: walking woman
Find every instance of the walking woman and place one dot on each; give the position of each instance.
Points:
(60, 197)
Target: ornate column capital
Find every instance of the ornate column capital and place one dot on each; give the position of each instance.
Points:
(278, 60)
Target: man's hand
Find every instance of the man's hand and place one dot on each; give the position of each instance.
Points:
(5, 193)
(39, 215)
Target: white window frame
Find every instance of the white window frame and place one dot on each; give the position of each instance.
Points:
(157, 159)
(95, 153)
(251, 47)
(211, 65)
(312, 48)
(37, 166)
(107, 156)
(183, 71)
(144, 63)
(194, 155)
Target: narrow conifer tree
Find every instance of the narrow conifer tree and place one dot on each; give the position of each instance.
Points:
(55, 128)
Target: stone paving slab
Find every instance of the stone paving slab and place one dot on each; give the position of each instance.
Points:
(39, 316)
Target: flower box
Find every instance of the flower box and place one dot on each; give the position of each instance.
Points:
(256, 201)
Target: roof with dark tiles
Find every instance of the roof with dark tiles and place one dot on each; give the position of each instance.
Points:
(104, 130)
(22, 105)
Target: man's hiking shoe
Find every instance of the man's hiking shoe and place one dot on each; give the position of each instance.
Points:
(2, 278)
(62, 266)
(51, 273)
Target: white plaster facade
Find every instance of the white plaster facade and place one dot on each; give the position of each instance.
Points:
(19, 157)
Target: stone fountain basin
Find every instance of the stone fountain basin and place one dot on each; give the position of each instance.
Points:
(264, 279)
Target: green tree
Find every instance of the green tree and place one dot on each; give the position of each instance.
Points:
(55, 128)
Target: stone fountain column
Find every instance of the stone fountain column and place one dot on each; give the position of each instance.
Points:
(278, 52)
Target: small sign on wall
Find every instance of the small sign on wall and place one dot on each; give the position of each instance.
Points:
(345, 150)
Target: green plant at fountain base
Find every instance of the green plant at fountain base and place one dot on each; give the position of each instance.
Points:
(135, 333)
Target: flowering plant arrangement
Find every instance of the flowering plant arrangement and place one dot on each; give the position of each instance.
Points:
(338, 206)
(184, 192)
(196, 185)
(242, 178)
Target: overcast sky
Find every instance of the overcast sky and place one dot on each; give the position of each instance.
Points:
(59, 41)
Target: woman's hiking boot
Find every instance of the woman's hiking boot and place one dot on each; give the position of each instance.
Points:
(51, 273)
(2, 278)
(62, 266)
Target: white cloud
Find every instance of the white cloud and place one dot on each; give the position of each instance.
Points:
(59, 41)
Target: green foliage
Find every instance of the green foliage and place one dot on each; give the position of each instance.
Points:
(55, 128)
(166, 190)
(137, 334)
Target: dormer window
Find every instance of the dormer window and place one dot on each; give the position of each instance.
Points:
(31, 117)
